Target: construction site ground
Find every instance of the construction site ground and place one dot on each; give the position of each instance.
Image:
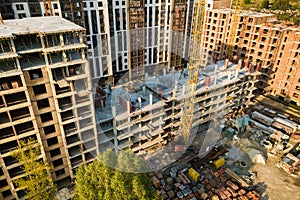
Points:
(266, 181)
(278, 184)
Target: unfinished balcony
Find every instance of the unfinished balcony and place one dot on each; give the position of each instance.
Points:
(5, 46)
(65, 103)
(19, 114)
(81, 98)
(43, 103)
(105, 136)
(7, 194)
(74, 70)
(74, 151)
(49, 129)
(10, 83)
(35, 74)
(32, 60)
(85, 123)
(75, 162)
(62, 90)
(72, 139)
(89, 144)
(2, 105)
(105, 126)
(39, 89)
(15, 99)
(9, 160)
(67, 115)
(70, 129)
(73, 55)
(28, 43)
(81, 86)
(90, 155)
(52, 40)
(55, 58)
(55, 152)
(3, 184)
(8, 146)
(107, 145)
(17, 171)
(88, 135)
(46, 117)
(6, 133)
(84, 111)
(71, 38)
(4, 118)
(52, 141)
(8, 65)
(24, 127)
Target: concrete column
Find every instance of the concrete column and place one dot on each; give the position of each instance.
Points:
(114, 114)
(240, 64)
(146, 77)
(13, 48)
(236, 73)
(226, 63)
(216, 79)
(80, 37)
(150, 99)
(175, 88)
(140, 102)
(64, 56)
(144, 90)
(128, 106)
(229, 75)
(61, 39)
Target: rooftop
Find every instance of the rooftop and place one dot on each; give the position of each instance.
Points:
(164, 87)
(32, 25)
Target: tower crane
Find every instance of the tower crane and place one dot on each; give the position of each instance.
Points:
(195, 56)
(194, 64)
(48, 7)
(234, 26)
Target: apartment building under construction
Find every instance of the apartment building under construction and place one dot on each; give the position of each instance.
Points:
(261, 40)
(142, 115)
(44, 84)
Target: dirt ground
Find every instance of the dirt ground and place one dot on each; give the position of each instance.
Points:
(279, 185)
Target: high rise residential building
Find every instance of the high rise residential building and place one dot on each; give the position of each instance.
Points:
(261, 41)
(98, 38)
(142, 31)
(44, 95)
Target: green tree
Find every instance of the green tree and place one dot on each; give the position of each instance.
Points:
(265, 4)
(38, 183)
(280, 5)
(98, 180)
(247, 1)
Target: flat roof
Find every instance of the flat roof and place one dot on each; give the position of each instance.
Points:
(32, 25)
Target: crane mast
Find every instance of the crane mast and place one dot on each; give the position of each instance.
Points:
(234, 26)
(197, 29)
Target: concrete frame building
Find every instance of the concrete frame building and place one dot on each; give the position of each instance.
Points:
(44, 82)
(142, 115)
